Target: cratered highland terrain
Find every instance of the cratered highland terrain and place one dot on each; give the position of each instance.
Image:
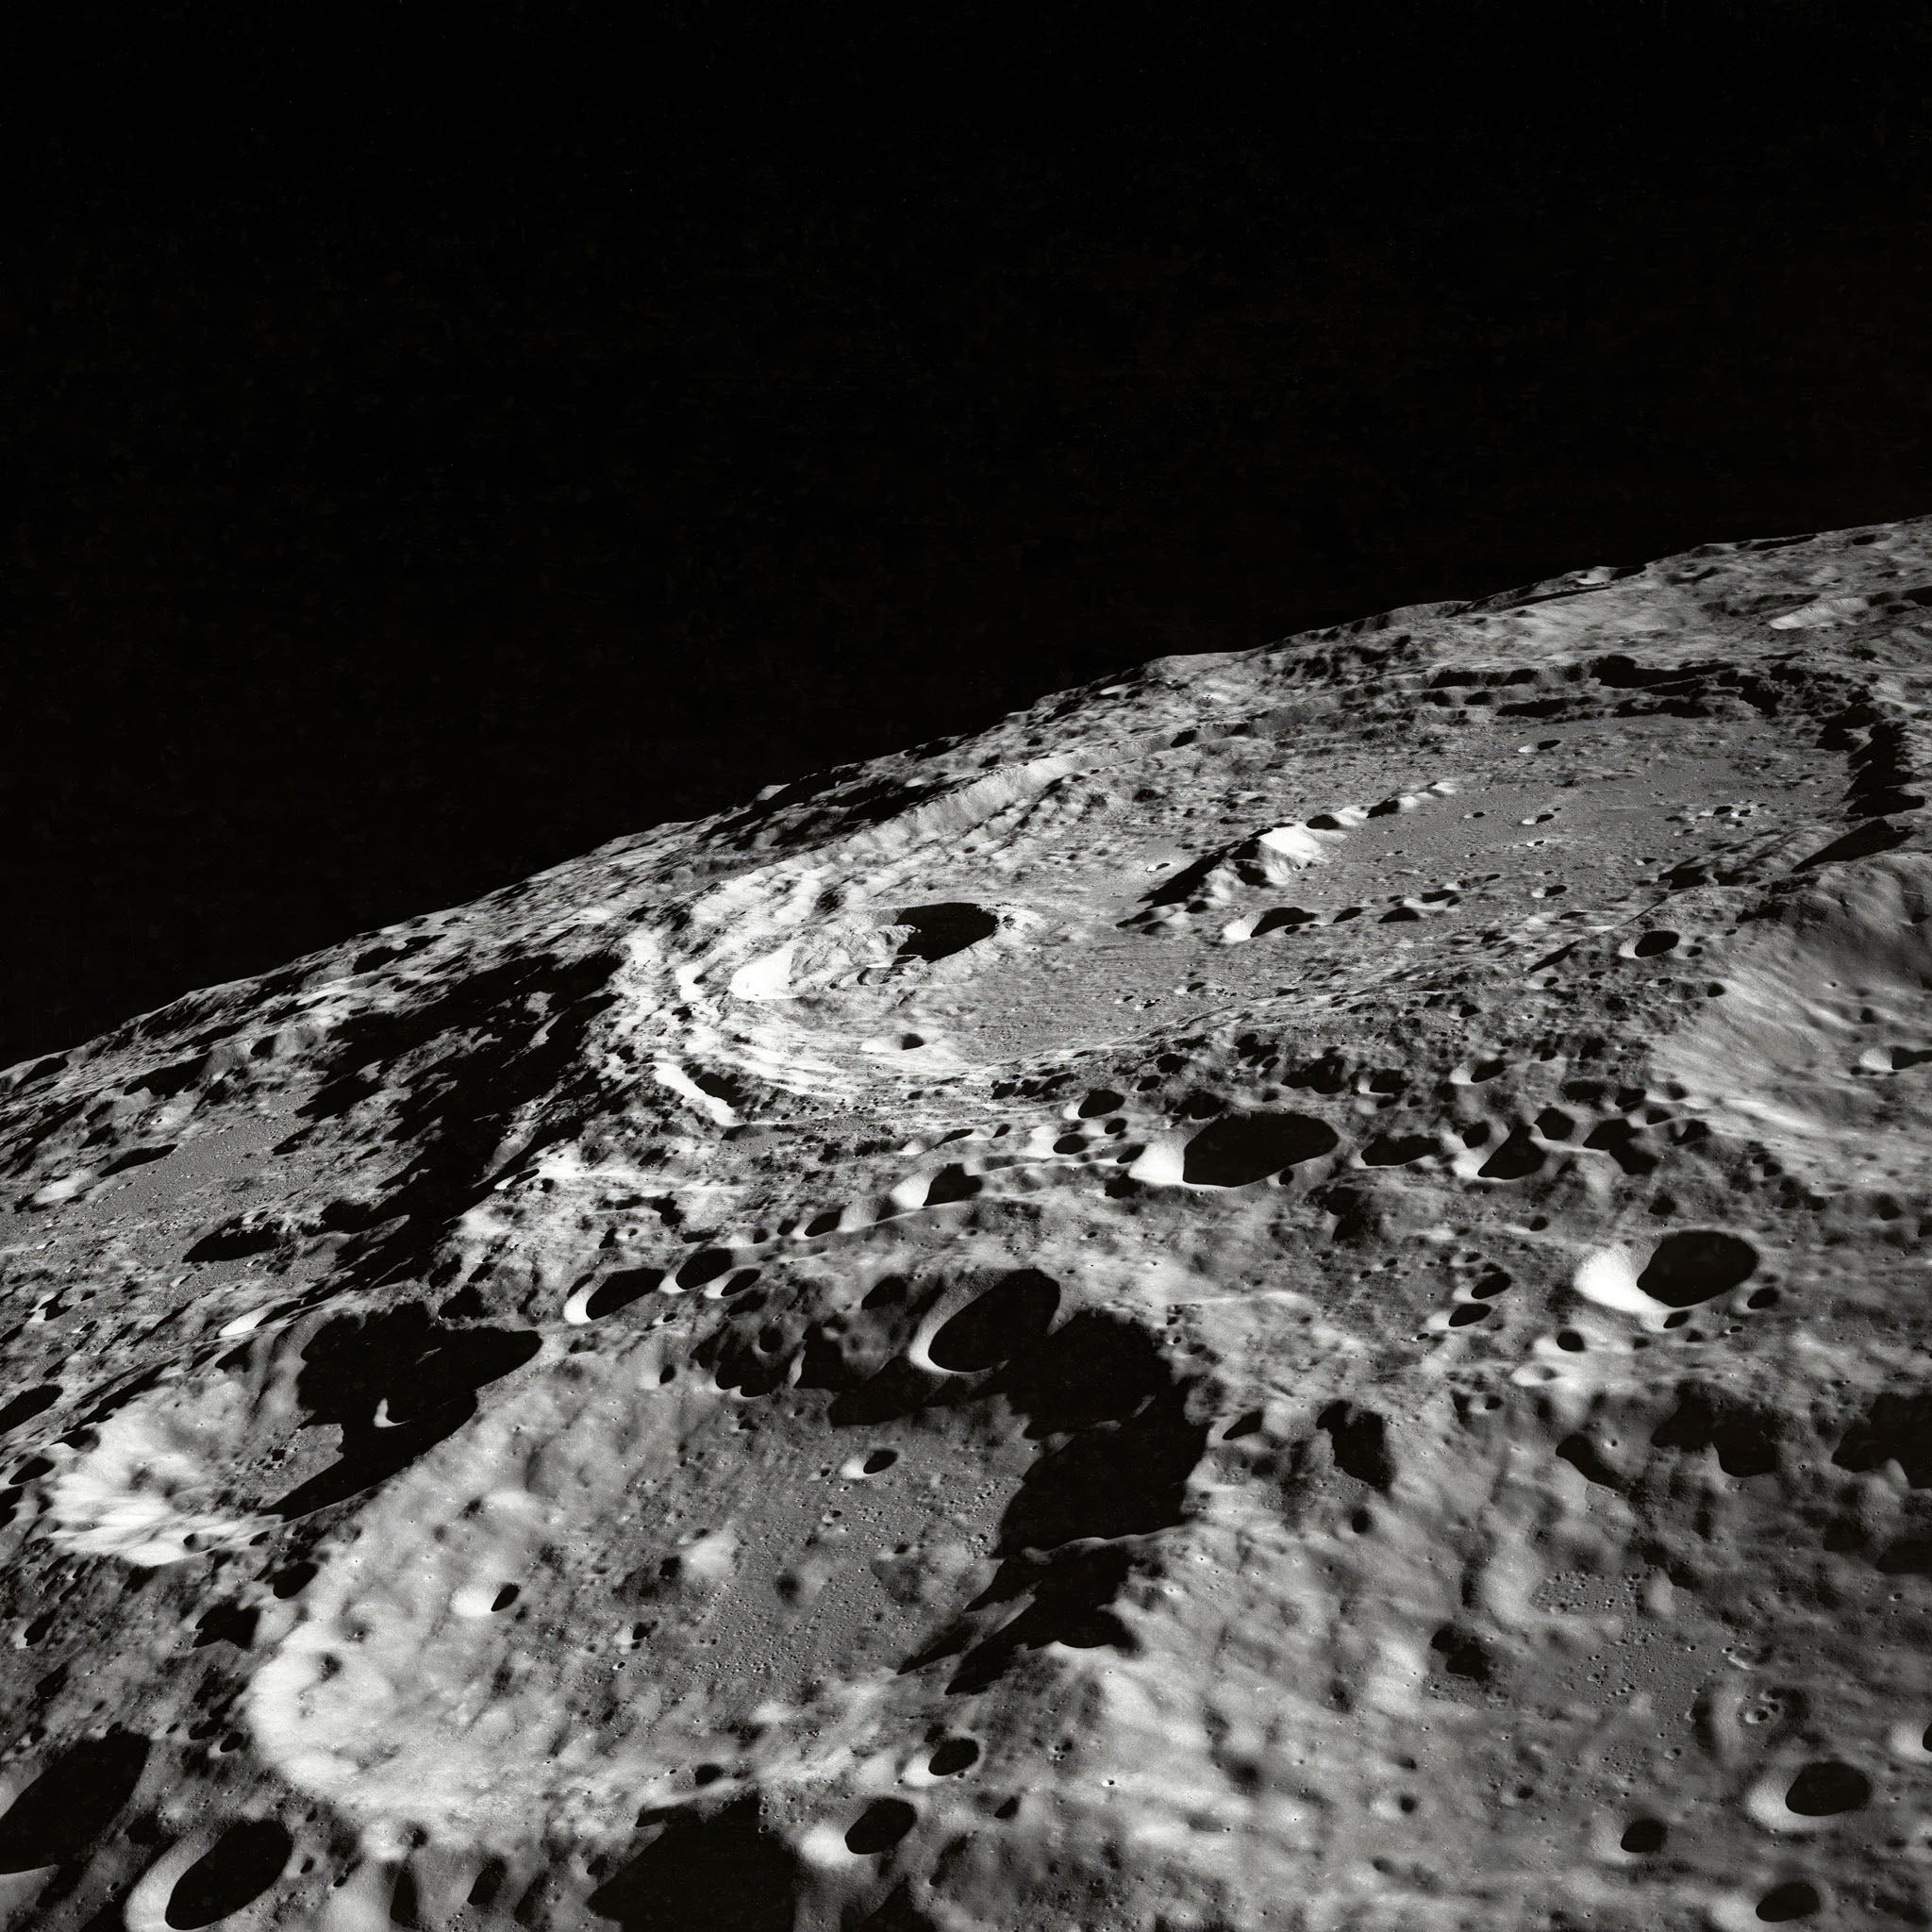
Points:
(1288, 1290)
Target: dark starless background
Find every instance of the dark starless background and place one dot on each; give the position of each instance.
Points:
(444, 443)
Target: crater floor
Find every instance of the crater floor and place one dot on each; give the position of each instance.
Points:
(1288, 1290)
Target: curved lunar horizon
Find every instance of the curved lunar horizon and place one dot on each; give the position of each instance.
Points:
(1287, 1290)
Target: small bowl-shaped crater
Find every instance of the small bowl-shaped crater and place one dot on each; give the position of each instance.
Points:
(1642, 1837)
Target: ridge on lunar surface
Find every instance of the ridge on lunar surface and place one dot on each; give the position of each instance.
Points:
(1287, 1291)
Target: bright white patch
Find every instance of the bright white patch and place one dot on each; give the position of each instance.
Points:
(680, 1082)
(1825, 610)
(1295, 843)
(910, 1192)
(1608, 1278)
(712, 1558)
(1160, 1165)
(64, 1189)
(768, 979)
(144, 1491)
(476, 1600)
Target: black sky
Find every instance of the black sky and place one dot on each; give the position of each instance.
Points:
(445, 443)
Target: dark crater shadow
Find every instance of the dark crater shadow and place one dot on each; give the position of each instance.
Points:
(396, 1383)
(1359, 1439)
(28, 1403)
(939, 931)
(70, 1805)
(510, 1040)
(1118, 1449)
(1896, 1428)
(1745, 1440)
(1116, 1444)
(1241, 1148)
(234, 1872)
(1696, 1264)
(724, 1871)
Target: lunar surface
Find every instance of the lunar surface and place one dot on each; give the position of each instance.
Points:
(1288, 1290)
